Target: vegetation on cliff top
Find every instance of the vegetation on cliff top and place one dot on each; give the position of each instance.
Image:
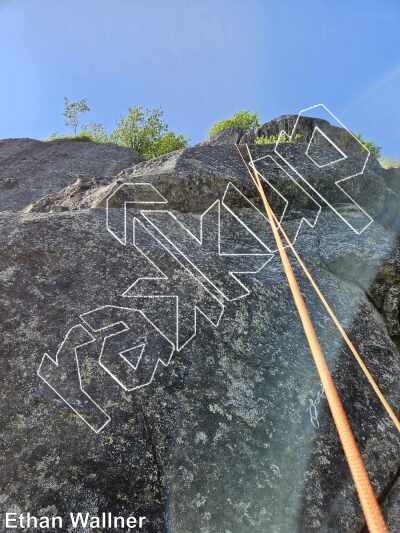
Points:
(143, 130)
(242, 119)
(146, 132)
(373, 148)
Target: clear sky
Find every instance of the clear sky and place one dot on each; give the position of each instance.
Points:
(200, 60)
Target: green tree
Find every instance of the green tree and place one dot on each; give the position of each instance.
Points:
(145, 131)
(242, 119)
(169, 142)
(72, 110)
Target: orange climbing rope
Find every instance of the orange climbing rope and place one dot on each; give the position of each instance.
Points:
(368, 501)
(357, 356)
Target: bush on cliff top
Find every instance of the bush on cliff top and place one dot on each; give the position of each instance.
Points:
(242, 119)
(373, 148)
(146, 132)
(143, 130)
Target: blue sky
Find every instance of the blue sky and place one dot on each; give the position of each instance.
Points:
(200, 61)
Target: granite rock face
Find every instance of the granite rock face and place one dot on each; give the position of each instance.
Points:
(392, 177)
(79, 195)
(231, 135)
(192, 179)
(30, 169)
(234, 434)
(305, 127)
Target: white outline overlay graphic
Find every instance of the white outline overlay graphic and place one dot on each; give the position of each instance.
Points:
(146, 213)
(199, 241)
(163, 276)
(318, 130)
(127, 328)
(303, 220)
(56, 363)
(340, 180)
(162, 200)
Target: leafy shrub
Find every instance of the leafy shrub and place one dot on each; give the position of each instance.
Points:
(373, 148)
(270, 139)
(273, 139)
(242, 119)
(169, 142)
(145, 131)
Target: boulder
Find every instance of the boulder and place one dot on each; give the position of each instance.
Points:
(194, 177)
(273, 128)
(305, 128)
(231, 135)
